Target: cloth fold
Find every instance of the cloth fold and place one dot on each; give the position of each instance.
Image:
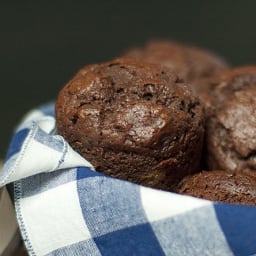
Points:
(65, 207)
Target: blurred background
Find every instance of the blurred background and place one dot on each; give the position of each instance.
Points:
(43, 44)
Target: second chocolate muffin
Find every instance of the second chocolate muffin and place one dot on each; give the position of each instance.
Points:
(220, 186)
(231, 122)
(193, 64)
(134, 121)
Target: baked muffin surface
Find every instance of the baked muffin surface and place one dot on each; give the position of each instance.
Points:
(231, 122)
(220, 186)
(191, 63)
(134, 121)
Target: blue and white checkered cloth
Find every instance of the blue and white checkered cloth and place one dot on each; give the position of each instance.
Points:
(65, 207)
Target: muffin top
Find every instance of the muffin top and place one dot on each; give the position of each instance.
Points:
(133, 120)
(231, 121)
(227, 83)
(143, 107)
(220, 186)
(189, 62)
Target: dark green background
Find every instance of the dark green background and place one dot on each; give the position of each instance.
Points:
(43, 43)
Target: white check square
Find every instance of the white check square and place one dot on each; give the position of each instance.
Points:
(55, 213)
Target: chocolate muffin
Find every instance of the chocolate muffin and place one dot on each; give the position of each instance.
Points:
(192, 64)
(220, 186)
(231, 122)
(134, 121)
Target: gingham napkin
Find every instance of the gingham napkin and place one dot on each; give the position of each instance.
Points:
(65, 207)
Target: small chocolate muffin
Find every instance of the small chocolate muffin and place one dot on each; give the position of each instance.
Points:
(231, 122)
(191, 63)
(220, 186)
(134, 121)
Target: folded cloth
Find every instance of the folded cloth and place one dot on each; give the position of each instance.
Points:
(65, 207)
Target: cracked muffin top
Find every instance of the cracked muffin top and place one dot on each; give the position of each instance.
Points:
(191, 63)
(220, 186)
(231, 122)
(133, 120)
